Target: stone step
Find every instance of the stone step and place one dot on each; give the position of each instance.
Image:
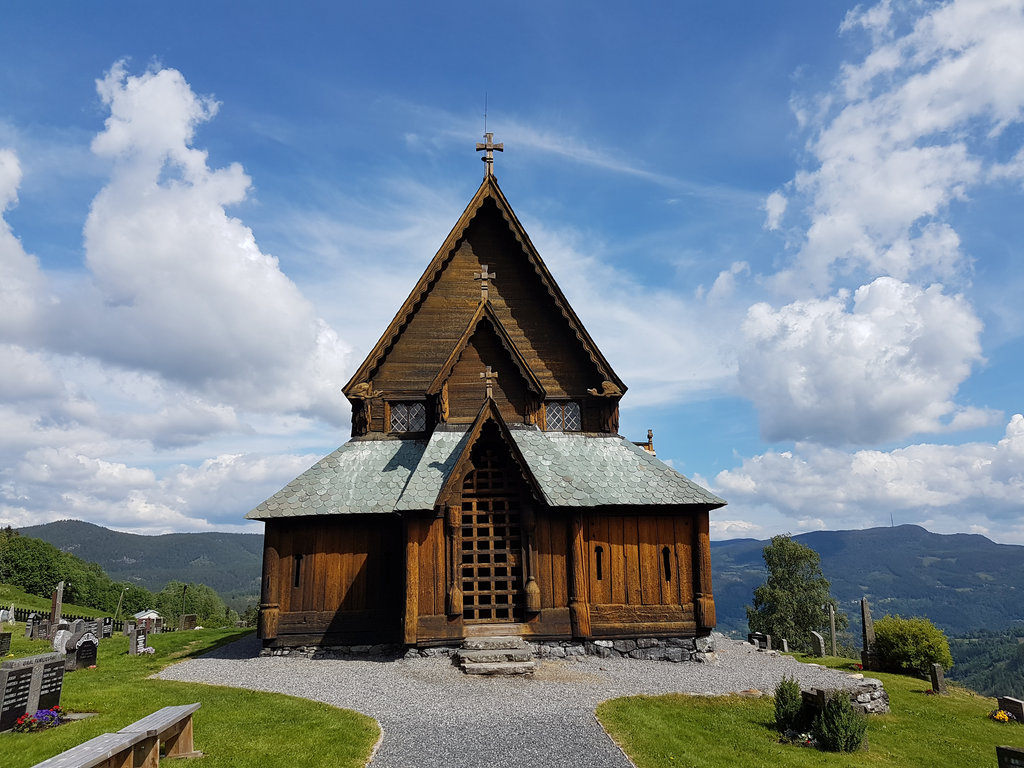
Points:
(503, 668)
(496, 656)
(493, 643)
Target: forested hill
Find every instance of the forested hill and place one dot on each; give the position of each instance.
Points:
(229, 562)
(962, 582)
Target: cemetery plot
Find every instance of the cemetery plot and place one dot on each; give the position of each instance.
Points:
(16, 685)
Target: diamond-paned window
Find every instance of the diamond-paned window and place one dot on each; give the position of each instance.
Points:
(408, 417)
(563, 416)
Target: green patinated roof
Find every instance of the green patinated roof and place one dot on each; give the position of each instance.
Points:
(572, 470)
(593, 471)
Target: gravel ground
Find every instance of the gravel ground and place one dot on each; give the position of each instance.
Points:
(434, 715)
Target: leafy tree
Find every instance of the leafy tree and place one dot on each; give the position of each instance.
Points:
(197, 598)
(789, 603)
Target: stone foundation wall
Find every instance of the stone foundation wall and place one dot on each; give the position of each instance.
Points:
(675, 649)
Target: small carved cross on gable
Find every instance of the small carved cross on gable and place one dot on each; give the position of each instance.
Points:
(488, 148)
(482, 277)
(487, 375)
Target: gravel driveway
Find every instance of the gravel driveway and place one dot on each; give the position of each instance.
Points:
(434, 715)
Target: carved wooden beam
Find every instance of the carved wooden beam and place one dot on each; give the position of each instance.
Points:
(529, 520)
(453, 522)
(579, 606)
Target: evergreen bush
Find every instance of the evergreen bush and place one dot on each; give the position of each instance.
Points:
(838, 728)
(788, 703)
(910, 645)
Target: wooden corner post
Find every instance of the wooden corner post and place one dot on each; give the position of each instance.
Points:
(270, 599)
(453, 522)
(704, 601)
(579, 606)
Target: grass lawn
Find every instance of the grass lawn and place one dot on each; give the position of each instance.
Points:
(234, 728)
(703, 732)
(21, 599)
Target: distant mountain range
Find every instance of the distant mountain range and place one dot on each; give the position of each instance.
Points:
(230, 563)
(961, 582)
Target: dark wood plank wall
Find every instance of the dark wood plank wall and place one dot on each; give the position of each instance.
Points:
(631, 593)
(348, 580)
(466, 389)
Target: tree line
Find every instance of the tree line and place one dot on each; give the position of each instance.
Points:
(37, 567)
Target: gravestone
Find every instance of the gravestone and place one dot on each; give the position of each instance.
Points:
(188, 621)
(60, 639)
(137, 642)
(785, 645)
(1010, 757)
(29, 683)
(129, 627)
(1014, 706)
(15, 685)
(108, 627)
(57, 603)
(5, 643)
(868, 657)
(938, 680)
(81, 651)
(42, 630)
(818, 647)
(93, 627)
(158, 625)
(51, 683)
(5, 615)
(30, 625)
(78, 625)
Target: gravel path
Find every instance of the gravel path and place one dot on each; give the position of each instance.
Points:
(434, 715)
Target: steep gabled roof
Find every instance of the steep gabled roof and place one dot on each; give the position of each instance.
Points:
(488, 190)
(486, 312)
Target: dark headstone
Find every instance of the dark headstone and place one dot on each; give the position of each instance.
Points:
(93, 627)
(188, 621)
(5, 643)
(938, 680)
(1010, 757)
(818, 644)
(129, 627)
(82, 651)
(41, 630)
(51, 683)
(108, 627)
(1014, 706)
(158, 625)
(868, 657)
(15, 686)
(30, 625)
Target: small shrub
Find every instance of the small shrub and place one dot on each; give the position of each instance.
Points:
(911, 646)
(788, 703)
(838, 728)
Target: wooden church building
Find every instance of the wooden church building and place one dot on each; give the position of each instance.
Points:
(485, 489)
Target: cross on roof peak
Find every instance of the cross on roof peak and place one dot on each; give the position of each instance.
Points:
(488, 147)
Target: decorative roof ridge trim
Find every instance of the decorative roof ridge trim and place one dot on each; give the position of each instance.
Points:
(488, 189)
(486, 311)
(419, 291)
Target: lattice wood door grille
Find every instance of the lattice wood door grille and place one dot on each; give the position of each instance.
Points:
(492, 584)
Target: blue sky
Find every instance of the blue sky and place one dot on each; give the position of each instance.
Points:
(793, 228)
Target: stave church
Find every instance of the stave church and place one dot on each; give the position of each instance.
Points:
(485, 489)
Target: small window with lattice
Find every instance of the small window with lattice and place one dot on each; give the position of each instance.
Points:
(408, 417)
(563, 416)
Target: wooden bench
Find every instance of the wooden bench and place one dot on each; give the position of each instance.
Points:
(136, 746)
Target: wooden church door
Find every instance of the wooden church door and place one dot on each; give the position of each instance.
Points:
(492, 540)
